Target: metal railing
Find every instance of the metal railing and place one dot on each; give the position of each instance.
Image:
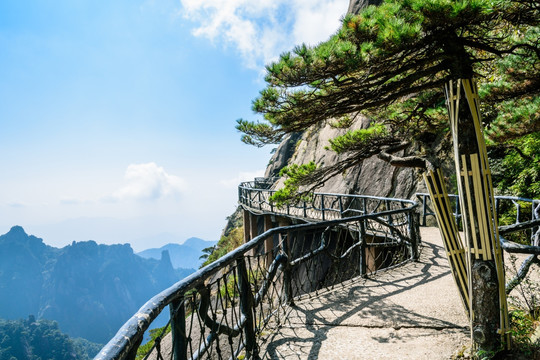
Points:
(502, 205)
(516, 211)
(221, 310)
(320, 206)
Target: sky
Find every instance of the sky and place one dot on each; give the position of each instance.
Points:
(117, 118)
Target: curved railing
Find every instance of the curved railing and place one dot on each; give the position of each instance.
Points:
(223, 309)
(320, 206)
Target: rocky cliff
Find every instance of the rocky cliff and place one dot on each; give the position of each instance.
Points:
(369, 177)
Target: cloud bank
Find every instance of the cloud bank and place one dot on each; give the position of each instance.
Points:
(148, 182)
(261, 30)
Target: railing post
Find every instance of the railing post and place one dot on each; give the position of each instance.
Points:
(412, 234)
(322, 206)
(287, 278)
(259, 200)
(364, 206)
(132, 354)
(424, 208)
(305, 209)
(178, 329)
(247, 309)
(340, 200)
(363, 260)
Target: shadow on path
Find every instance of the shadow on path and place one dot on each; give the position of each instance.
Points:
(403, 306)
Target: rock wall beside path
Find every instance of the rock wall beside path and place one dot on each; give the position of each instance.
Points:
(372, 176)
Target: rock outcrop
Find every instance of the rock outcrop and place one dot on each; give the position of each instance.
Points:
(370, 177)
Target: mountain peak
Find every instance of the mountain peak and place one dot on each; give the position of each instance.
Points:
(17, 231)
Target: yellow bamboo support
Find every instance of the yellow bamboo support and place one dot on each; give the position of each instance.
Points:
(471, 93)
(449, 233)
(476, 192)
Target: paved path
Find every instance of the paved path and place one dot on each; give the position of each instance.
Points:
(412, 312)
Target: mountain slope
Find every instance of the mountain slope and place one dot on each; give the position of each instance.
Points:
(184, 255)
(89, 289)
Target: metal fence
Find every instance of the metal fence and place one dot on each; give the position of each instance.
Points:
(220, 311)
(517, 209)
(318, 206)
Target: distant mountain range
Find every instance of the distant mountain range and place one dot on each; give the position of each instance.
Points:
(88, 288)
(184, 255)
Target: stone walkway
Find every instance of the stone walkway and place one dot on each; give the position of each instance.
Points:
(412, 312)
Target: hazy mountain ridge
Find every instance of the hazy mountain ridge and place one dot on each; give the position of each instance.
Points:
(88, 288)
(184, 255)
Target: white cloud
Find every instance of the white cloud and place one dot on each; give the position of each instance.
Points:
(242, 176)
(261, 30)
(148, 182)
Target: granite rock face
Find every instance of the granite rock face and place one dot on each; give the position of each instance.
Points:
(371, 176)
(356, 5)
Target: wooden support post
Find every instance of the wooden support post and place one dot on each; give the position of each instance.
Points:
(253, 226)
(247, 226)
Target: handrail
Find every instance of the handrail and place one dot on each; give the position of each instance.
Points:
(423, 197)
(231, 291)
(321, 206)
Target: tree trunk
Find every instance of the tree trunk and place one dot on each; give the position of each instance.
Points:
(488, 309)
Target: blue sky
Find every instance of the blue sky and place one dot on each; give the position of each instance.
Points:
(117, 117)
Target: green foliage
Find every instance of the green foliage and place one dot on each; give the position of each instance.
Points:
(355, 138)
(524, 314)
(510, 110)
(522, 326)
(207, 252)
(296, 175)
(226, 244)
(154, 334)
(257, 134)
(521, 166)
(386, 53)
(87, 347)
(42, 339)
